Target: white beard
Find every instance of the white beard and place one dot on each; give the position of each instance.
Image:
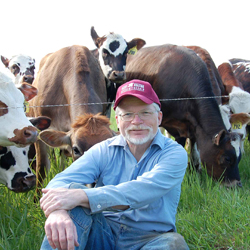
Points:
(139, 141)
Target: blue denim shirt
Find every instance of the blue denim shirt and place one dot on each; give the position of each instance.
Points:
(151, 187)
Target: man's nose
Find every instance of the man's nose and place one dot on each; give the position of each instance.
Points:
(137, 119)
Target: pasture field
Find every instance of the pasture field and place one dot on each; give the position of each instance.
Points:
(209, 216)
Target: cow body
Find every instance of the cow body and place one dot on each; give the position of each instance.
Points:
(177, 72)
(16, 129)
(22, 67)
(72, 79)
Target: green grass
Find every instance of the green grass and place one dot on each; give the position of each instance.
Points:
(209, 216)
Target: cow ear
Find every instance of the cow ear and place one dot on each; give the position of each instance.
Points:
(55, 139)
(138, 42)
(216, 139)
(5, 61)
(41, 122)
(97, 40)
(28, 91)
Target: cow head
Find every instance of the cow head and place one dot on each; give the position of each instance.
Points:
(16, 129)
(22, 67)
(15, 171)
(113, 50)
(225, 149)
(86, 131)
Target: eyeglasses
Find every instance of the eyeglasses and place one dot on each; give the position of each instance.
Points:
(144, 115)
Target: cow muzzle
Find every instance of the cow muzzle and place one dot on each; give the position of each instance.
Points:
(25, 136)
(28, 79)
(117, 76)
(24, 183)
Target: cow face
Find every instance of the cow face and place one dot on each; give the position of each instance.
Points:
(15, 172)
(22, 67)
(16, 129)
(226, 151)
(86, 131)
(113, 50)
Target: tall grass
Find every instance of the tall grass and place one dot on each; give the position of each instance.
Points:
(209, 216)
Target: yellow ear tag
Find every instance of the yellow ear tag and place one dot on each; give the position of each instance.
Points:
(26, 106)
(237, 125)
(132, 51)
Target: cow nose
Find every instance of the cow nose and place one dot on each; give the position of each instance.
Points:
(29, 182)
(25, 136)
(117, 76)
(28, 78)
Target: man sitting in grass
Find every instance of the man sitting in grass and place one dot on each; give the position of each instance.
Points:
(138, 177)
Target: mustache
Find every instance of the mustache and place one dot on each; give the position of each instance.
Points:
(138, 127)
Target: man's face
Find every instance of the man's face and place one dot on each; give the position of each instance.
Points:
(139, 130)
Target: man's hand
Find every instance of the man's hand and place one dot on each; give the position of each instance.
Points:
(61, 231)
(62, 198)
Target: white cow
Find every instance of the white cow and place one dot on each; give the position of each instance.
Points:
(22, 67)
(15, 172)
(16, 129)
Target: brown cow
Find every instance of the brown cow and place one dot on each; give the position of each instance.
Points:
(88, 129)
(177, 72)
(72, 82)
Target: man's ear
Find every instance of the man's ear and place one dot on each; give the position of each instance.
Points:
(159, 118)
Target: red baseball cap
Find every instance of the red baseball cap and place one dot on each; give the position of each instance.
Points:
(137, 88)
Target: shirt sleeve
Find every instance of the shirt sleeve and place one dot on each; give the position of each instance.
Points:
(150, 186)
(85, 170)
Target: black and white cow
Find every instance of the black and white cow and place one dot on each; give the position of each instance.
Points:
(112, 50)
(22, 67)
(15, 172)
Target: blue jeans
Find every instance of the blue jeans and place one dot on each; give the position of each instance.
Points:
(99, 233)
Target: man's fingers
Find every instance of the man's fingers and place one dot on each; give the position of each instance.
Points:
(49, 236)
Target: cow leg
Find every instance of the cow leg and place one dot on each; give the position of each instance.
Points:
(42, 166)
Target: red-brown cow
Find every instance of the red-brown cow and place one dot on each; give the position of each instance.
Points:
(241, 69)
(177, 72)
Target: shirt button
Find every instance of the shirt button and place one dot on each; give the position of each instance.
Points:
(99, 206)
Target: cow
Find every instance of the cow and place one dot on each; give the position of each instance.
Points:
(15, 172)
(181, 80)
(112, 50)
(239, 99)
(71, 83)
(241, 69)
(22, 67)
(224, 86)
(216, 81)
(88, 129)
(16, 129)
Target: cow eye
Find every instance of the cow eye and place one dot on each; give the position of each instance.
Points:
(76, 151)
(15, 69)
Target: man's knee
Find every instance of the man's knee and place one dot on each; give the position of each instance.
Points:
(167, 241)
(176, 241)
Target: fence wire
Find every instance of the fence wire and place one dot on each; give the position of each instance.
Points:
(26, 105)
